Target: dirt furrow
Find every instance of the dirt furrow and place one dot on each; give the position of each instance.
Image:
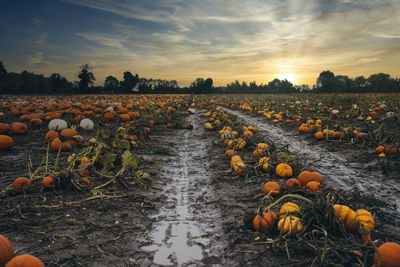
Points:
(185, 230)
(340, 170)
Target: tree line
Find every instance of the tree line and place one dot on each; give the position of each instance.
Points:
(327, 82)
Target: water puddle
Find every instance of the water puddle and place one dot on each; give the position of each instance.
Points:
(185, 224)
(340, 173)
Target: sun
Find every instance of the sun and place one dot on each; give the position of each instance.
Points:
(287, 76)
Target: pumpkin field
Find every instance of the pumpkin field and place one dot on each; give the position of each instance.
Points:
(200, 180)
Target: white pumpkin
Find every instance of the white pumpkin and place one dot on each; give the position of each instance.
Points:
(57, 125)
(86, 124)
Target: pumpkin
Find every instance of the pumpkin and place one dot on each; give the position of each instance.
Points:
(365, 219)
(85, 182)
(346, 215)
(240, 145)
(290, 224)
(5, 142)
(238, 167)
(57, 124)
(48, 182)
(390, 254)
(262, 146)
(55, 145)
(25, 260)
(4, 128)
(124, 117)
(284, 170)
(307, 176)
(229, 153)
(292, 183)
(35, 123)
(50, 136)
(109, 116)
(21, 183)
(313, 186)
(390, 149)
(234, 159)
(319, 135)
(264, 222)
(287, 209)
(248, 134)
(208, 126)
(257, 153)
(379, 149)
(68, 132)
(6, 250)
(272, 188)
(86, 124)
(18, 128)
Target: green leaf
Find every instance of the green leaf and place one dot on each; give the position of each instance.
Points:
(108, 160)
(129, 160)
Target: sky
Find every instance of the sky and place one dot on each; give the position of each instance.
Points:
(226, 40)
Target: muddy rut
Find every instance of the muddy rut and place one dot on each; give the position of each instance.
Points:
(340, 170)
(186, 229)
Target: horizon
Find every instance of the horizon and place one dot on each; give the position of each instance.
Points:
(185, 40)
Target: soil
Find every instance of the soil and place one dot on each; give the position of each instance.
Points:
(196, 212)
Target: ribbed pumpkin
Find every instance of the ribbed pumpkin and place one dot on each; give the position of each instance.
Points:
(18, 128)
(5, 142)
(272, 188)
(263, 163)
(390, 254)
(284, 170)
(306, 176)
(25, 260)
(288, 208)
(234, 159)
(262, 146)
(346, 215)
(229, 153)
(6, 250)
(365, 219)
(4, 128)
(21, 183)
(238, 167)
(290, 224)
(264, 222)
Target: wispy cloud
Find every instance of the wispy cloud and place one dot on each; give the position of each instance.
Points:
(36, 58)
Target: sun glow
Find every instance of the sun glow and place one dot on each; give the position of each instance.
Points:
(287, 76)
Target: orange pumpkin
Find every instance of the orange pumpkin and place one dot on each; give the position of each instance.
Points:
(234, 159)
(124, 117)
(238, 167)
(55, 145)
(284, 170)
(379, 149)
(292, 183)
(21, 183)
(346, 215)
(290, 224)
(50, 136)
(229, 153)
(257, 153)
(6, 250)
(288, 209)
(25, 260)
(313, 186)
(319, 135)
(264, 222)
(68, 132)
(306, 176)
(4, 128)
(35, 123)
(18, 128)
(109, 116)
(365, 219)
(390, 254)
(5, 142)
(272, 188)
(48, 182)
(85, 182)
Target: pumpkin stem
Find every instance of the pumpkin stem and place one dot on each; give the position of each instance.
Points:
(288, 196)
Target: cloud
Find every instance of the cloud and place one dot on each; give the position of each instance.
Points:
(36, 58)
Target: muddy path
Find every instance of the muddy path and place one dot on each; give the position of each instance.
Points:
(185, 230)
(342, 169)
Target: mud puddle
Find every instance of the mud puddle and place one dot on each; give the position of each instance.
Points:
(186, 230)
(340, 170)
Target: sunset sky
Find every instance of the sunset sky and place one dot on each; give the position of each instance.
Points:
(250, 40)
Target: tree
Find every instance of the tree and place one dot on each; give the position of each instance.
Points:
(129, 83)
(111, 84)
(3, 71)
(58, 84)
(86, 78)
(381, 82)
(326, 81)
(208, 83)
(360, 84)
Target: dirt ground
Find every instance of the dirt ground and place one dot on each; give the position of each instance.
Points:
(192, 189)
